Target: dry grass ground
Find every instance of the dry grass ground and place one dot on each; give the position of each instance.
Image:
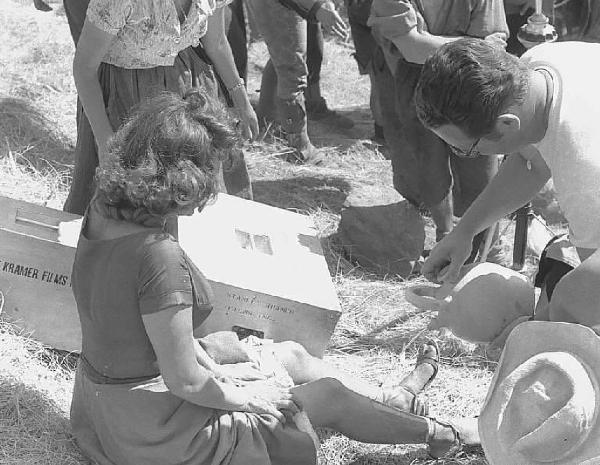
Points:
(378, 333)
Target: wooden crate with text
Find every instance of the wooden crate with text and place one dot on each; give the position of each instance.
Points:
(265, 265)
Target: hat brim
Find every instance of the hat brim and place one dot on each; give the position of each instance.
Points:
(525, 341)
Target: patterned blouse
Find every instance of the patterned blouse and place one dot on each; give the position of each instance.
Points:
(148, 33)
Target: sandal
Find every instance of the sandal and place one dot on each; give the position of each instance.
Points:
(425, 356)
(419, 404)
(455, 447)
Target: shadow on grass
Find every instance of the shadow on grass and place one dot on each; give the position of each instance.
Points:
(34, 428)
(303, 193)
(27, 132)
(326, 133)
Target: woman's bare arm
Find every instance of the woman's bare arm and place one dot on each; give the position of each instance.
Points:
(91, 49)
(217, 48)
(171, 334)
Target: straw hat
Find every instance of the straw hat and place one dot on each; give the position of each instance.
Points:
(543, 404)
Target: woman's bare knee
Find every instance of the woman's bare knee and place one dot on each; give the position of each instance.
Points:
(295, 358)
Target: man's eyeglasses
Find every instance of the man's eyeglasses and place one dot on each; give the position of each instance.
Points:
(471, 153)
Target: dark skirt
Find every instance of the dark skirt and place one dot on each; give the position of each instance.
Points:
(141, 422)
(125, 88)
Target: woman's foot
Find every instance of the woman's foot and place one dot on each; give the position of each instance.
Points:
(446, 439)
(405, 395)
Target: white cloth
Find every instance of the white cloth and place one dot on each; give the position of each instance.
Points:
(571, 146)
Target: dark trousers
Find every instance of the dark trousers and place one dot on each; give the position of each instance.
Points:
(314, 52)
(235, 25)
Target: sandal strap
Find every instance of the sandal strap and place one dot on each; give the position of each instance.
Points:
(457, 445)
(419, 405)
(433, 362)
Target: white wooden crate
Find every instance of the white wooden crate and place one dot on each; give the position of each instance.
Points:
(265, 265)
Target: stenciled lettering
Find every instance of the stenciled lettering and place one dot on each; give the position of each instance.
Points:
(32, 272)
(20, 270)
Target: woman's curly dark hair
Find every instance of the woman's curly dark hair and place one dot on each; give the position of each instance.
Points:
(166, 157)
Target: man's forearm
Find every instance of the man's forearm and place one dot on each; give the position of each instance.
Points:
(513, 186)
(417, 46)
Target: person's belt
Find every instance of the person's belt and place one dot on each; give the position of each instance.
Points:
(98, 378)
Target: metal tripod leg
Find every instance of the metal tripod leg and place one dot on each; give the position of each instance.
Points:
(522, 219)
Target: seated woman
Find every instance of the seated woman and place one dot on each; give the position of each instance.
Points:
(147, 392)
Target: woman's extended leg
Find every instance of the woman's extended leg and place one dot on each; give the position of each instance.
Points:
(328, 403)
(304, 368)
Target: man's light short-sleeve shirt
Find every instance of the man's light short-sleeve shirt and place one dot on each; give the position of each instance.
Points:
(571, 146)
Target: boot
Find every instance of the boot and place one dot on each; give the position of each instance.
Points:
(317, 110)
(293, 123)
(267, 110)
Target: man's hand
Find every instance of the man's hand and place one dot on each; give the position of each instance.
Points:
(447, 257)
(497, 38)
(331, 20)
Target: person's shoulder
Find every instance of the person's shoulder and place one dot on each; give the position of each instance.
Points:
(157, 243)
(558, 50)
(109, 15)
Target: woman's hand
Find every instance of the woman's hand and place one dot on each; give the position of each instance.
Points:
(102, 142)
(266, 399)
(331, 20)
(245, 112)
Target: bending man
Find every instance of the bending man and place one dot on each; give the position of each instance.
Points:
(543, 110)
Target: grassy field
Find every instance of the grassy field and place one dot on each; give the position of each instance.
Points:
(379, 332)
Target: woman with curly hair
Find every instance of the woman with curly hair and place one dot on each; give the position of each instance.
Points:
(147, 392)
(127, 51)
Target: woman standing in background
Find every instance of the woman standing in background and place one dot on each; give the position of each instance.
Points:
(130, 50)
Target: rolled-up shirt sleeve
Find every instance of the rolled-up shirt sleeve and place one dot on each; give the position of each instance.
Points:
(487, 17)
(391, 19)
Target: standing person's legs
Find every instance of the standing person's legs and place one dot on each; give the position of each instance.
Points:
(316, 105)
(420, 159)
(267, 100)
(236, 36)
(75, 11)
(314, 61)
(364, 48)
(375, 105)
(383, 89)
(284, 32)
(86, 154)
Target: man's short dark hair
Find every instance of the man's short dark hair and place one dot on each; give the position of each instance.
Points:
(468, 83)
